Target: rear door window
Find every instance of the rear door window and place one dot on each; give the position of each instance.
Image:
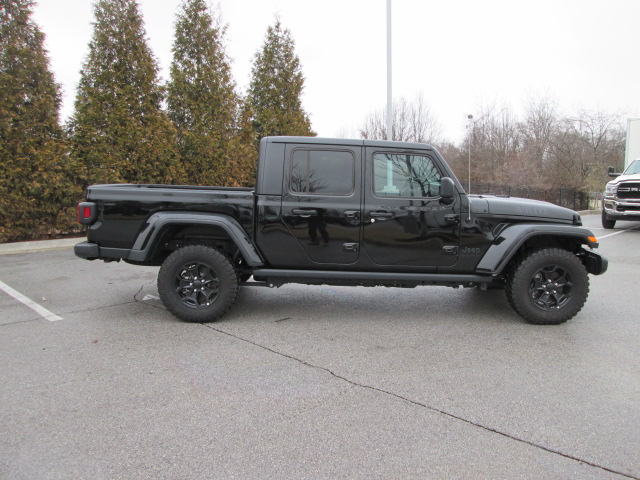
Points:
(322, 172)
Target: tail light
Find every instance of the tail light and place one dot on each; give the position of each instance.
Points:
(87, 213)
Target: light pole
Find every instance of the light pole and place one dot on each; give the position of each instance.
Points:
(389, 90)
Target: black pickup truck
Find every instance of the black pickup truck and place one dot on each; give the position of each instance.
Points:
(343, 212)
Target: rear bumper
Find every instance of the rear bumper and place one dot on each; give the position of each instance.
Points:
(93, 251)
(86, 250)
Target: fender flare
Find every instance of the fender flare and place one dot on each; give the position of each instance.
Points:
(156, 223)
(509, 241)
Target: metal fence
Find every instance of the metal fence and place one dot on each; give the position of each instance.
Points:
(565, 197)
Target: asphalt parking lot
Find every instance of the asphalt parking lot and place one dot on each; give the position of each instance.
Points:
(99, 381)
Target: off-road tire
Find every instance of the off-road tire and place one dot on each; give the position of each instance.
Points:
(606, 222)
(197, 284)
(548, 286)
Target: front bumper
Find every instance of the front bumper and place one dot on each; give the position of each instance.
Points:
(621, 210)
(595, 263)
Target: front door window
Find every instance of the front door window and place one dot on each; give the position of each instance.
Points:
(407, 175)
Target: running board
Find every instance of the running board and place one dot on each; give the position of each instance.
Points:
(382, 278)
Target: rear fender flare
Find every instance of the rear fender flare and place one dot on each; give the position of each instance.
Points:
(156, 223)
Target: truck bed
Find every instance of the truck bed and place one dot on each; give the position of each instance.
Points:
(124, 208)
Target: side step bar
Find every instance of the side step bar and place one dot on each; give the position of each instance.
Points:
(382, 278)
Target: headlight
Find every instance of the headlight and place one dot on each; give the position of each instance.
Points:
(610, 189)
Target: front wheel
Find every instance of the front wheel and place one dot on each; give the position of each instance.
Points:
(607, 222)
(548, 287)
(197, 284)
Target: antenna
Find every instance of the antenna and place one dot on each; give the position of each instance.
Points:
(470, 127)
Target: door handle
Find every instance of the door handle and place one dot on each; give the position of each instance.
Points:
(304, 212)
(350, 247)
(352, 213)
(381, 215)
(452, 218)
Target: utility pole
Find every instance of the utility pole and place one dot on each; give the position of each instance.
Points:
(389, 76)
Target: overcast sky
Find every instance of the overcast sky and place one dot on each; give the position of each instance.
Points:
(458, 53)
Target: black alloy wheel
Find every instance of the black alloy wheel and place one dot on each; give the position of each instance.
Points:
(551, 288)
(197, 284)
(548, 287)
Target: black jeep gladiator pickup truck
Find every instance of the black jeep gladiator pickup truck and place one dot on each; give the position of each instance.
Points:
(343, 212)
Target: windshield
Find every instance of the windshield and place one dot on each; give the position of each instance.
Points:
(633, 169)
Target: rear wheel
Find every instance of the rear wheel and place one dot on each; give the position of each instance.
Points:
(197, 284)
(548, 287)
(607, 222)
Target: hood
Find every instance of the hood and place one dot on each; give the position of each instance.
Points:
(522, 209)
(625, 178)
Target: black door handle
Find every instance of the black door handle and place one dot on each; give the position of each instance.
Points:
(382, 215)
(304, 212)
(452, 218)
(352, 213)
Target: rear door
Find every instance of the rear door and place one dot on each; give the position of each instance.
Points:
(321, 204)
(406, 223)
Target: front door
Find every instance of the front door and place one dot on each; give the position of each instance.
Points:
(321, 205)
(406, 223)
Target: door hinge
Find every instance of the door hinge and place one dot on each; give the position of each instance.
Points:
(450, 249)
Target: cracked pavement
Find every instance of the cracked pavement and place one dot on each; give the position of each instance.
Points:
(313, 382)
(422, 405)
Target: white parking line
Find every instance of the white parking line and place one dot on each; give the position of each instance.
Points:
(39, 309)
(617, 233)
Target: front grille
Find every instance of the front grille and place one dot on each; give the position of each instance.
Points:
(628, 208)
(629, 190)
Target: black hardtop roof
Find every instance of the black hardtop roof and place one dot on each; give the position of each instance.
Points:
(350, 142)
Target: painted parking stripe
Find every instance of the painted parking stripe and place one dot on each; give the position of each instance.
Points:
(617, 233)
(39, 309)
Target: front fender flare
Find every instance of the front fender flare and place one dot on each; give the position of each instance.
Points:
(156, 223)
(513, 237)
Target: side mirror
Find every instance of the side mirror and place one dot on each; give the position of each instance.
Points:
(447, 190)
(611, 171)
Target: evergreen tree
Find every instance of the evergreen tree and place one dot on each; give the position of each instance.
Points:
(276, 87)
(201, 95)
(242, 171)
(37, 193)
(120, 132)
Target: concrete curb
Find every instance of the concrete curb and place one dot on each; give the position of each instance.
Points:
(590, 212)
(38, 245)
